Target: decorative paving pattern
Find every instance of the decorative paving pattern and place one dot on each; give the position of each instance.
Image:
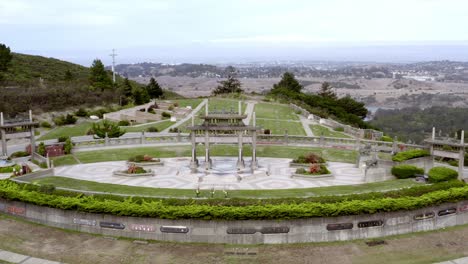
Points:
(273, 173)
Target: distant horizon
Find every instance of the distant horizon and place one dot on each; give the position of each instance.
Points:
(382, 53)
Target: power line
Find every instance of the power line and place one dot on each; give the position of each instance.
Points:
(113, 64)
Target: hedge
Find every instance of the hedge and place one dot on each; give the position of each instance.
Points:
(439, 174)
(405, 171)
(410, 154)
(129, 207)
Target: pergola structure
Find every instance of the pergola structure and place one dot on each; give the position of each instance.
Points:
(449, 148)
(223, 123)
(17, 128)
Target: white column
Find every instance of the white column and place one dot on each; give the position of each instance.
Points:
(240, 158)
(461, 156)
(240, 108)
(207, 151)
(254, 143)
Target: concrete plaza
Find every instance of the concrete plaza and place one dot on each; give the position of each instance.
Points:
(273, 173)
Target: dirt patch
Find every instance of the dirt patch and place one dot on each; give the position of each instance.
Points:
(71, 247)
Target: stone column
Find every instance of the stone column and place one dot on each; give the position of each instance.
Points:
(3, 134)
(286, 137)
(207, 151)
(254, 143)
(32, 136)
(240, 108)
(194, 161)
(240, 158)
(461, 156)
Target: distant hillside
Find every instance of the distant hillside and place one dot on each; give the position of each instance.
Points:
(27, 70)
(159, 69)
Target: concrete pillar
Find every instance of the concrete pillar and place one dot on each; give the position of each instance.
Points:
(4, 144)
(206, 108)
(395, 145)
(461, 156)
(207, 151)
(286, 137)
(194, 161)
(240, 158)
(32, 141)
(106, 140)
(254, 142)
(142, 138)
(240, 108)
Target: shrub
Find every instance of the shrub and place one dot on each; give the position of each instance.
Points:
(19, 154)
(124, 123)
(439, 174)
(309, 158)
(41, 149)
(46, 124)
(170, 108)
(386, 139)
(176, 104)
(165, 115)
(81, 113)
(301, 171)
(139, 158)
(10, 168)
(266, 131)
(174, 130)
(62, 138)
(67, 147)
(453, 163)
(65, 120)
(152, 129)
(110, 128)
(405, 171)
(46, 188)
(151, 111)
(410, 154)
(339, 129)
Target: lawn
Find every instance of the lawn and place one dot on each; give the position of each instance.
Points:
(83, 185)
(275, 111)
(188, 102)
(319, 130)
(68, 131)
(217, 104)
(278, 127)
(291, 152)
(160, 126)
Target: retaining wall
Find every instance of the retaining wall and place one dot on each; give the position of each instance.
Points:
(248, 231)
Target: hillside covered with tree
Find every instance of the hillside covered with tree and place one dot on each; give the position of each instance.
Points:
(415, 124)
(48, 84)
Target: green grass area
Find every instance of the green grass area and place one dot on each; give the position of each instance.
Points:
(160, 126)
(319, 130)
(278, 127)
(188, 102)
(340, 155)
(68, 131)
(64, 160)
(275, 111)
(218, 104)
(165, 192)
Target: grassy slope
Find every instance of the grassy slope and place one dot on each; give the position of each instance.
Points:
(26, 69)
(70, 131)
(148, 191)
(319, 130)
(278, 118)
(160, 126)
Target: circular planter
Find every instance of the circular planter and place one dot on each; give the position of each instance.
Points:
(146, 163)
(125, 174)
(303, 165)
(311, 176)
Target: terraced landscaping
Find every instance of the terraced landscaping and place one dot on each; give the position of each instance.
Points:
(319, 130)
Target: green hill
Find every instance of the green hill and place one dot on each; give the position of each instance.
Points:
(26, 70)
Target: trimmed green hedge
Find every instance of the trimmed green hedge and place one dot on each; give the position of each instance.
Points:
(405, 171)
(440, 174)
(410, 154)
(157, 208)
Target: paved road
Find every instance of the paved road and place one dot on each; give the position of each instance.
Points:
(11, 257)
(306, 124)
(249, 111)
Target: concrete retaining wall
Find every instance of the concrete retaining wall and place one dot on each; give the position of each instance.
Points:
(248, 231)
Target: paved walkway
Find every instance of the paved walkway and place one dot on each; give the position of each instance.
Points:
(456, 261)
(273, 173)
(23, 259)
(306, 124)
(185, 119)
(249, 111)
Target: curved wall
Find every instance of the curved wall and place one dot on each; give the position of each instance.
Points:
(247, 231)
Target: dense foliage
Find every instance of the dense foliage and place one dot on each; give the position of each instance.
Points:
(410, 154)
(440, 174)
(309, 158)
(325, 105)
(230, 85)
(153, 89)
(108, 128)
(404, 171)
(160, 209)
(411, 123)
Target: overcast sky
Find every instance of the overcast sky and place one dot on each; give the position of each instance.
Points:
(225, 30)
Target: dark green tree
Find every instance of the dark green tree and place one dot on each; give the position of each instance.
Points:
(230, 85)
(289, 82)
(140, 96)
(153, 89)
(352, 106)
(99, 78)
(5, 57)
(127, 88)
(327, 91)
(111, 129)
(68, 75)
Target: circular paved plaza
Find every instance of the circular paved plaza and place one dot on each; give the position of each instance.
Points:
(273, 173)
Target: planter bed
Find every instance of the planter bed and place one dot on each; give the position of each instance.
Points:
(303, 165)
(125, 174)
(148, 163)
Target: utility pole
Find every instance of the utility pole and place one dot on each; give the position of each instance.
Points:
(113, 64)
